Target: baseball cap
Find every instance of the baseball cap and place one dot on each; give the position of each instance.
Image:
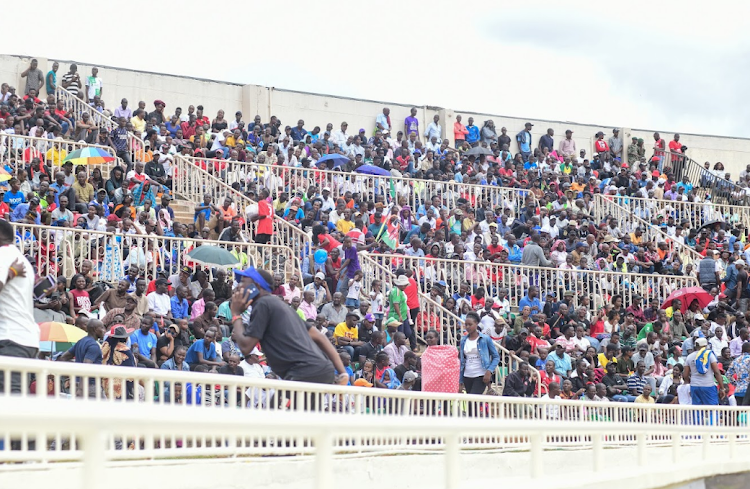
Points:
(369, 317)
(701, 342)
(410, 376)
(320, 275)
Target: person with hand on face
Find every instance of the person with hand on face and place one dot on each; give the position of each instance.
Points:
(294, 349)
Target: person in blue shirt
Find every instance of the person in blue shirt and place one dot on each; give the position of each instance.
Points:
(524, 141)
(473, 135)
(515, 252)
(14, 196)
(179, 303)
(87, 349)
(203, 352)
(532, 300)
(20, 211)
(146, 341)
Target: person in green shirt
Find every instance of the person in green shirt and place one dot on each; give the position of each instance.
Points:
(397, 300)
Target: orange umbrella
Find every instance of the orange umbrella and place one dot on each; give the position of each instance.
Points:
(60, 332)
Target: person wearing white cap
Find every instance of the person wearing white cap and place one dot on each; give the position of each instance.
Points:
(701, 368)
(328, 203)
(320, 288)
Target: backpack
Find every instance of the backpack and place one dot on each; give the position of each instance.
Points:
(703, 361)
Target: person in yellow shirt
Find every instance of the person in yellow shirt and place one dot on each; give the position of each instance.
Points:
(646, 396)
(346, 334)
(139, 120)
(55, 156)
(636, 237)
(608, 356)
(346, 224)
(578, 186)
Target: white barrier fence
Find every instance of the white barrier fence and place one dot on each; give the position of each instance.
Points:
(95, 430)
(62, 251)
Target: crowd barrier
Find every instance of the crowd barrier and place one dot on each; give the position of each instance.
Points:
(606, 208)
(595, 286)
(17, 151)
(216, 396)
(697, 214)
(62, 251)
(706, 182)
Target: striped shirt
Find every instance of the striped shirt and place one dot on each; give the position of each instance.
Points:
(75, 86)
(636, 382)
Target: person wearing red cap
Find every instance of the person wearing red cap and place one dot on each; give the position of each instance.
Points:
(158, 113)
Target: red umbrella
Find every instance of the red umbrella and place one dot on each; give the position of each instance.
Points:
(687, 296)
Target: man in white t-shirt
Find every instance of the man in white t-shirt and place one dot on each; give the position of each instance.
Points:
(19, 333)
(159, 300)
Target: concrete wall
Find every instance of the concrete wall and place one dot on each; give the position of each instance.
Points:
(318, 110)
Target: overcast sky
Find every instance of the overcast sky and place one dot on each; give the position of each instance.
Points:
(665, 65)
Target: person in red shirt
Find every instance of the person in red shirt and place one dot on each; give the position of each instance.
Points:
(412, 302)
(4, 208)
(659, 146)
(264, 218)
(601, 145)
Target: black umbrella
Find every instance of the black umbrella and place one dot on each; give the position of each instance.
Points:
(478, 150)
(710, 225)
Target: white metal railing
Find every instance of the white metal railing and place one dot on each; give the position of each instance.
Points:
(697, 214)
(93, 436)
(78, 106)
(597, 286)
(62, 251)
(192, 182)
(408, 191)
(606, 208)
(49, 426)
(17, 151)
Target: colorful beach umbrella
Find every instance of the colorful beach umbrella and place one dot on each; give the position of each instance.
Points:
(60, 332)
(5, 176)
(89, 156)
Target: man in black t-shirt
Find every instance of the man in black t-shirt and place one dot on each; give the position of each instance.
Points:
(295, 350)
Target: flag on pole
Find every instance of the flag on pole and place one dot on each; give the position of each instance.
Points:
(389, 230)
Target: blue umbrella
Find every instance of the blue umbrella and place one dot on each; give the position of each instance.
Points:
(373, 170)
(336, 158)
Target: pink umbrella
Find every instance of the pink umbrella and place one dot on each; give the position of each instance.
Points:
(687, 296)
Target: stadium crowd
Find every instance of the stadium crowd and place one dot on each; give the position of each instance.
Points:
(630, 349)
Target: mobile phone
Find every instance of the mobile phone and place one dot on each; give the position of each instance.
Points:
(252, 290)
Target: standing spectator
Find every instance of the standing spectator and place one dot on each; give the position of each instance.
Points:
(472, 132)
(524, 141)
(383, 122)
(701, 368)
(459, 132)
(72, 80)
(34, 77)
(547, 141)
(478, 355)
(94, 85)
(264, 217)
(567, 145)
(615, 144)
(19, 333)
(51, 80)
(434, 130)
(411, 123)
